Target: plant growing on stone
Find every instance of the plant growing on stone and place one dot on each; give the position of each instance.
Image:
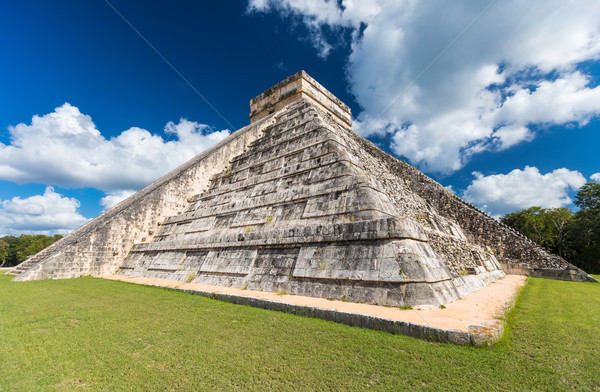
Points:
(190, 277)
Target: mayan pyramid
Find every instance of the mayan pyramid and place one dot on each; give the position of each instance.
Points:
(296, 202)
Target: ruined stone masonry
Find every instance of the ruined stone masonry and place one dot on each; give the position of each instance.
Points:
(296, 202)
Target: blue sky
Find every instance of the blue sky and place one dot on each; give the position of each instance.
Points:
(497, 100)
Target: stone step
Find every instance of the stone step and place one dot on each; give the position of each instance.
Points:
(377, 229)
(270, 195)
(31, 261)
(287, 196)
(269, 148)
(308, 173)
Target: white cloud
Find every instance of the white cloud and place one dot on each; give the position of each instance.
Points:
(595, 177)
(499, 194)
(555, 102)
(49, 213)
(114, 198)
(510, 135)
(64, 148)
(515, 67)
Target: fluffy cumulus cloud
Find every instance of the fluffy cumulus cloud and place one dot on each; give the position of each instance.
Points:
(65, 148)
(114, 198)
(49, 213)
(499, 194)
(453, 79)
(595, 177)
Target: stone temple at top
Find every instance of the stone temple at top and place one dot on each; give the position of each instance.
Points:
(297, 202)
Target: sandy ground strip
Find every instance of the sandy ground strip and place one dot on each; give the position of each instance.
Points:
(481, 308)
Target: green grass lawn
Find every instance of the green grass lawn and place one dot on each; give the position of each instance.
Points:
(97, 334)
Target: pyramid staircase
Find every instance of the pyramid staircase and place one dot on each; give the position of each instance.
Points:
(300, 213)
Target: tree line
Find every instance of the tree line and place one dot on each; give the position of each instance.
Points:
(14, 250)
(574, 236)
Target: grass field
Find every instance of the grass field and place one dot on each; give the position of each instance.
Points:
(94, 334)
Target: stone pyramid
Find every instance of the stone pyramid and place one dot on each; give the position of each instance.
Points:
(298, 203)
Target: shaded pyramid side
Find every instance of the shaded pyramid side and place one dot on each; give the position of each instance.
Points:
(442, 213)
(304, 211)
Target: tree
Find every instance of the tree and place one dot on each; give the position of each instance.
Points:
(588, 197)
(585, 229)
(548, 227)
(20, 248)
(3, 251)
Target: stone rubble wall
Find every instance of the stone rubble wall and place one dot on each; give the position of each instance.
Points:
(516, 253)
(101, 245)
(445, 236)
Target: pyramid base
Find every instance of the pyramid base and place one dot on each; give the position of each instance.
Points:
(422, 295)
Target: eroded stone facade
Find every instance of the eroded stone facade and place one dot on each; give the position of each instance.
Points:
(303, 211)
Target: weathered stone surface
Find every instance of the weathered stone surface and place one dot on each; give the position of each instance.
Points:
(303, 211)
(297, 202)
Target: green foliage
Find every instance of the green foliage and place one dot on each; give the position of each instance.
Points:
(574, 236)
(545, 226)
(588, 197)
(190, 276)
(585, 229)
(99, 335)
(14, 250)
(3, 251)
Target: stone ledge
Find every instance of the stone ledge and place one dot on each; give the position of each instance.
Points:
(369, 230)
(570, 273)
